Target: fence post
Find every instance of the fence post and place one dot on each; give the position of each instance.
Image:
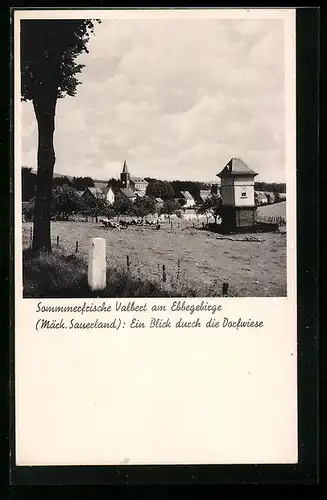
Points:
(171, 224)
(225, 289)
(76, 248)
(164, 277)
(193, 225)
(31, 235)
(203, 225)
(127, 262)
(97, 264)
(178, 268)
(58, 241)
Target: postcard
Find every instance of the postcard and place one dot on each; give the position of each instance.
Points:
(155, 237)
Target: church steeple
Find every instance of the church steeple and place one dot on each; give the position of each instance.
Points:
(125, 169)
(125, 176)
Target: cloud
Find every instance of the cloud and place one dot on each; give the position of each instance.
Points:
(176, 98)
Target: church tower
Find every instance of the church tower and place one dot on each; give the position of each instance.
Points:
(125, 176)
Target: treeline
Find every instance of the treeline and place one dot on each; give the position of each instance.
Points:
(270, 187)
(166, 190)
(172, 189)
(29, 183)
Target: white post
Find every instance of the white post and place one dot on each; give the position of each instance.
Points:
(97, 264)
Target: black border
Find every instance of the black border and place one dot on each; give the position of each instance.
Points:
(306, 471)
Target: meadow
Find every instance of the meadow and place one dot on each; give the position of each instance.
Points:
(273, 210)
(197, 262)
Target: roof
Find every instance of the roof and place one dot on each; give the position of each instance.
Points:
(94, 190)
(187, 195)
(80, 193)
(139, 179)
(235, 166)
(205, 193)
(159, 200)
(127, 192)
(140, 194)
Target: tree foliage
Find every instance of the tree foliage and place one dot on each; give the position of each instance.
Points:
(273, 187)
(94, 205)
(123, 206)
(60, 181)
(65, 201)
(144, 206)
(49, 49)
(192, 187)
(81, 183)
(160, 189)
(114, 184)
(170, 207)
(211, 206)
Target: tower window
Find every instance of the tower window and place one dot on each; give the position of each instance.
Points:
(243, 193)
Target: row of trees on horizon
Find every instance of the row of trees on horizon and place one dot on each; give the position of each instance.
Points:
(66, 203)
(166, 190)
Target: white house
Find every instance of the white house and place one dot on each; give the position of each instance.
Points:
(138, 184)
(189, 200)
(109, 194)
(204, 194)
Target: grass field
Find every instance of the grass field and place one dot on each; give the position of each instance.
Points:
(252, 268)
(273, 210)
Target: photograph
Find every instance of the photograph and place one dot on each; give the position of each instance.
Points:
(152, 157)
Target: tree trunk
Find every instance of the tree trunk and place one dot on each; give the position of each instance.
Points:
(44, 108)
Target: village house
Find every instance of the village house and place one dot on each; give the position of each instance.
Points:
(139, 185)
(127, 193)
(91, 193)
(159, 204)
(109, 194)
(204, 194)
(189, 200)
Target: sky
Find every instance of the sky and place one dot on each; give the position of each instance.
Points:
(176, 98)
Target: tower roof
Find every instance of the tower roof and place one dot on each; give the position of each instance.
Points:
(235, 166)
(125, 169)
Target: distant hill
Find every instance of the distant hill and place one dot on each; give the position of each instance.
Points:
(70, 177)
